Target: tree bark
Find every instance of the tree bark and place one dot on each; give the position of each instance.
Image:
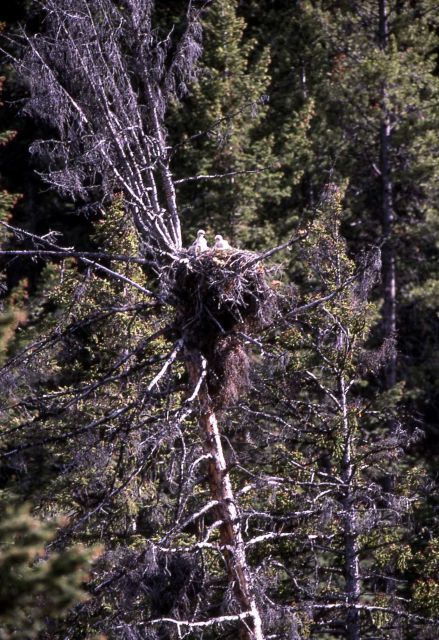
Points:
(232, 542)
(387, 213)
(388, 250)
(350, 526)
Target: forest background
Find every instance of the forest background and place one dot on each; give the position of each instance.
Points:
(272, 471)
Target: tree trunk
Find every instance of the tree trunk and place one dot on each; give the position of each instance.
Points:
(350, 527)
(352, 571)
(232, 542)
(387, 213)
(388, 251)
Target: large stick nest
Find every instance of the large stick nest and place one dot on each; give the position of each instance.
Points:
(221, 295)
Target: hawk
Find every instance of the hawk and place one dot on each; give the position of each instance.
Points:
(200, 244)
(220, 243)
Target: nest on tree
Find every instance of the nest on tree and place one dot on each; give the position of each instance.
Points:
(221, 296)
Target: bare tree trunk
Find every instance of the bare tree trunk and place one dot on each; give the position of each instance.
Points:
(350, 527)
(232, 542)
(352, 570)
(387, 213)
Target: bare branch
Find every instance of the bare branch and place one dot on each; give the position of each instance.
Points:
(66, 251)
(219, 176)
(100, 75)
(212, 622)
(166, 366)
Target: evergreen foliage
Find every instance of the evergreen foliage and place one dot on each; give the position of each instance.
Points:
(242, 440)
(223, 129)
(36, 586)
(343, 531)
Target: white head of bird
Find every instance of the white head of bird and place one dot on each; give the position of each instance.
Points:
(220, 243)
(200, 245)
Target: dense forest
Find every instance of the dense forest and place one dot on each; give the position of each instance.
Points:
(219, 338)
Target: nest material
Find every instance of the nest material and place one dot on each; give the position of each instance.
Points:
(220, 295)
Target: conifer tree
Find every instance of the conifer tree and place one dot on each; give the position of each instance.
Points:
(224, 123)
(338, 536)
(124, 402)
(393, 119)
(10, 313)
(369, 69)
(129, 79)
(220, 122)
(35, 587)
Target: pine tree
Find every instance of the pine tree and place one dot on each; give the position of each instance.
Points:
(369, 69)
(145, 75)
(337, 537)
(11, 314)
(219, 126)
(237, 471)
(33, 585)
(224, 132)
(393, 119)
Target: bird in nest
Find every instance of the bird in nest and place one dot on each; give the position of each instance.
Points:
(200, 245)
(221, 244)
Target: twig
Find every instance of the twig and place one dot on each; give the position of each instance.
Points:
(200, 624)
(319, 301)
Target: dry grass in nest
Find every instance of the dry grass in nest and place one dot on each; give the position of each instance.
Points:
(219, 295)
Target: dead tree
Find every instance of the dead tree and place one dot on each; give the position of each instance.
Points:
(101, 76)
(220, 296)
(101, 79)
